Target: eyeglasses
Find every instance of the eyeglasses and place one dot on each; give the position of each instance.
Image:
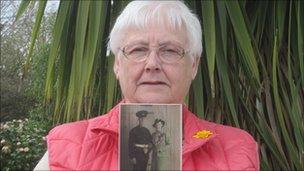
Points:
(167, 53)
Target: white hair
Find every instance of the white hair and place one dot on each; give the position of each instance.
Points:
(141, 14)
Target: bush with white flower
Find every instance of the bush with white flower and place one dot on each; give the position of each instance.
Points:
(22, 143)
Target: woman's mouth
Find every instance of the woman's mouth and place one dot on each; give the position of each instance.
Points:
(153, 83)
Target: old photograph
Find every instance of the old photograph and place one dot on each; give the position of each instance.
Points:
(150, 137)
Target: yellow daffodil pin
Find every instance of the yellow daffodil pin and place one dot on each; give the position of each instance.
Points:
(202, 134)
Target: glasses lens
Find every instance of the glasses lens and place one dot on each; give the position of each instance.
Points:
(171, 53)
(136, 53)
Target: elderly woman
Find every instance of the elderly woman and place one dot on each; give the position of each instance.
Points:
(157, 47)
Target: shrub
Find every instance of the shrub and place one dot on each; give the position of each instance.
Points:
(23, 142)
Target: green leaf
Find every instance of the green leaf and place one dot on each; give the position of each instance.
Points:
(209, 38)
(300, 28)
(197, 85)
(111, 84)
(60, 29)
(242, 35)
(22, 7)
(35, 32)
(278, 104)
(76, 90)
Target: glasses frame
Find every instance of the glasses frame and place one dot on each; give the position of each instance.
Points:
(182, 55)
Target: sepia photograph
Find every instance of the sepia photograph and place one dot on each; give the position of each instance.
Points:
(150, 137)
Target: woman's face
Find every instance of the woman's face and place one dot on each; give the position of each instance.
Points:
(154, 81)
(159, 126)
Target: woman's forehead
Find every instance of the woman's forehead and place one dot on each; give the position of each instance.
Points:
(158, 35)
(146, 42)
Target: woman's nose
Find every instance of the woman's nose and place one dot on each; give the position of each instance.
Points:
(153, 62)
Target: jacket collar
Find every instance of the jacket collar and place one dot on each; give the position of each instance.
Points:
(107, 123)
(191, 125)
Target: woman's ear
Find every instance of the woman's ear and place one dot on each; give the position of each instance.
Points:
(195, 65)
(116, 67)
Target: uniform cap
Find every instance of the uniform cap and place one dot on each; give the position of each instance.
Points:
(141, 113)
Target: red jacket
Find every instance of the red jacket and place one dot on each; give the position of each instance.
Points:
(93, 145)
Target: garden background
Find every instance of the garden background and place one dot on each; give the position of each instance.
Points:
(55, 68)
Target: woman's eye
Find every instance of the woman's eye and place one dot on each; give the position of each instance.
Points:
(170, 51)
(138, 50)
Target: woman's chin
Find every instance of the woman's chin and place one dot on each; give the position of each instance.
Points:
(153, 98)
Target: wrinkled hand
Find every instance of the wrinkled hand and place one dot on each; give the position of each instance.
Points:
(133, 160)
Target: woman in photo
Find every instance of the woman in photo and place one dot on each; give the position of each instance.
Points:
(161, 145)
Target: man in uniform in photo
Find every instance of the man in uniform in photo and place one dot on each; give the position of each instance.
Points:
(140, 141)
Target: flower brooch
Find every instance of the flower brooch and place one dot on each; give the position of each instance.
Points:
(202, 134)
